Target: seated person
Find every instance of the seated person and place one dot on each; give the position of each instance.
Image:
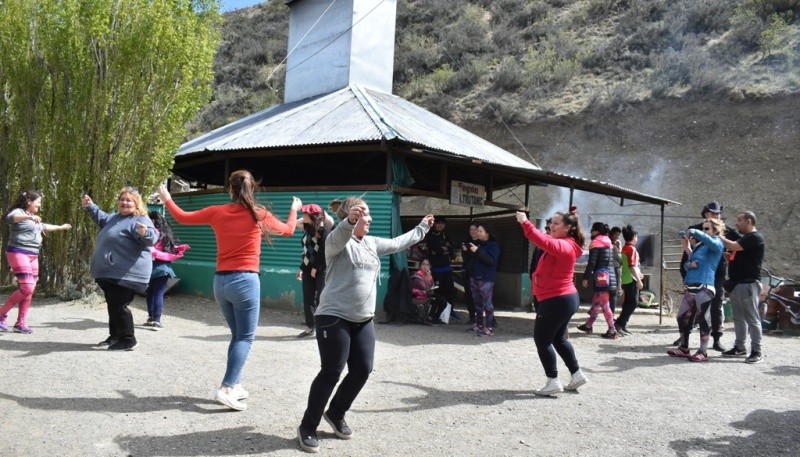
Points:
(423, 290)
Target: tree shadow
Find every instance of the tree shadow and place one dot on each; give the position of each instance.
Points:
(774, 433)
(231, 441)
(126, 403)
(75, 324)
(37, 348)
(433, 398)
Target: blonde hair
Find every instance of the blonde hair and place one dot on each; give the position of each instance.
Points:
(141, 208)
(717, 225)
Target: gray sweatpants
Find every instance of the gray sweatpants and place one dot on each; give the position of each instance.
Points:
(746, 318)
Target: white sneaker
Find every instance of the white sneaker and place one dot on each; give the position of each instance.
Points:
(551, 388)
(240, 394)
(229, 400)
(578, 379)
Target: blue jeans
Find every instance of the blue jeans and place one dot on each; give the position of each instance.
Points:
(155, 297)
(239, 297)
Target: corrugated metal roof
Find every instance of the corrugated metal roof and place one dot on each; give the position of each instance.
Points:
(351, 115)
(354, 115)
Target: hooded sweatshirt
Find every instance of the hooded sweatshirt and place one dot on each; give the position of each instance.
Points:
(554, 273)
(354, 266)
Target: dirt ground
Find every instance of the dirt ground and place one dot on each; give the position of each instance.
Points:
(435, 391)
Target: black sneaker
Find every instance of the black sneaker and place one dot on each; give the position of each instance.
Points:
(123, 346)
(677, 342)
(308, 439)
(734, 352)
(755, 357)
(107, 342)
(719, 346)
(340, 427)
(585, 329)
(622, 331)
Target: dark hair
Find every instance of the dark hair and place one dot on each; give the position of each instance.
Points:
(615, 229)
(628, 233)
(571, 218)
(749, 215)
(600, 227)
(25, 198)
(486, 229)
(166, 235)
(242, 187)
(317, 224)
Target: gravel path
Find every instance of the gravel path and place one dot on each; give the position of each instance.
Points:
(435, 391)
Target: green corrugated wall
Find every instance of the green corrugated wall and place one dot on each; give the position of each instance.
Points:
(279, 261)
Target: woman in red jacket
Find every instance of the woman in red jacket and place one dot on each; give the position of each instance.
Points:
(558, 298)
(239, 228)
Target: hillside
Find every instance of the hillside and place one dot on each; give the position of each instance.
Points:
(692, 100)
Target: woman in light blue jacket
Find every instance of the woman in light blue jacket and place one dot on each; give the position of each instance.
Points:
(701, 267)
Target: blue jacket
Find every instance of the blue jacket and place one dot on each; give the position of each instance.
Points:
(484, 266)
(120, 252)
(707, 256)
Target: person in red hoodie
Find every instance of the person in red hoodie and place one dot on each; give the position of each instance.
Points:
(553, 287)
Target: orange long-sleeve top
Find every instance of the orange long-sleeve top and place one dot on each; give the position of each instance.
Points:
(238, 236)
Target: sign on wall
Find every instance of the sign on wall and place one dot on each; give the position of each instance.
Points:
(467, 194)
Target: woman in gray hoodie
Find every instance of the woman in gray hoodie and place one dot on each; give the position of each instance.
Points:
(344, 326)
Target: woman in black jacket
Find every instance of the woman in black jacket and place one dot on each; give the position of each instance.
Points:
(600, 273)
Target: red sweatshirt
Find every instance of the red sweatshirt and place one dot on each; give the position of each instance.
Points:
(553, 275)
(238, 236)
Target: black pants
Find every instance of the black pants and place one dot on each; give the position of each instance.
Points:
(717, 313)
(629, 305)
(312, 288)
(550, 330)
(446, 288)
(340, 343)
(120, 318)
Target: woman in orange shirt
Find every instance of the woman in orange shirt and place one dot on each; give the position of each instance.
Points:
(239, 227)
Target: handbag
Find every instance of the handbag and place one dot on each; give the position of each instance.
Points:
(602, 277)
(445, 316)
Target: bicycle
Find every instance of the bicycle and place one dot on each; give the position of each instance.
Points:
(790, 304)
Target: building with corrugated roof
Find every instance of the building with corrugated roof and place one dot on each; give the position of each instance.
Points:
(341, 132)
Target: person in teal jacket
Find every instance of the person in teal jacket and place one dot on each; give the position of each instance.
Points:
(701, 268)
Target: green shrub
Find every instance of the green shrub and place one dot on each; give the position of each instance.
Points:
(508, 75)
(499, 110)
(774, 35)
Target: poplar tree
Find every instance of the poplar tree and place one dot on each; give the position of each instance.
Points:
(95, 95)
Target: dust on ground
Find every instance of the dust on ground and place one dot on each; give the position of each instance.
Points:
(435, 391)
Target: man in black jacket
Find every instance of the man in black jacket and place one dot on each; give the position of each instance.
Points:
(713, 210)
(440, 253)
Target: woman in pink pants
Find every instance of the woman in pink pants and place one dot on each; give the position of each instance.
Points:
(24, 242)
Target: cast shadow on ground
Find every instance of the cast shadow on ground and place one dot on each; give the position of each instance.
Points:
(126, 403)
(785, 370)
(433, 398)
(37, 348)
(75, 324)
(773, 433)
(231, 441)
(656, 357)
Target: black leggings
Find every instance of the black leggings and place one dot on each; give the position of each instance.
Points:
(120, 319)
(549, 333)
(340, 343)
(312, 289)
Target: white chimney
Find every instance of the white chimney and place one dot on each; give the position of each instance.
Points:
(341, 42)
